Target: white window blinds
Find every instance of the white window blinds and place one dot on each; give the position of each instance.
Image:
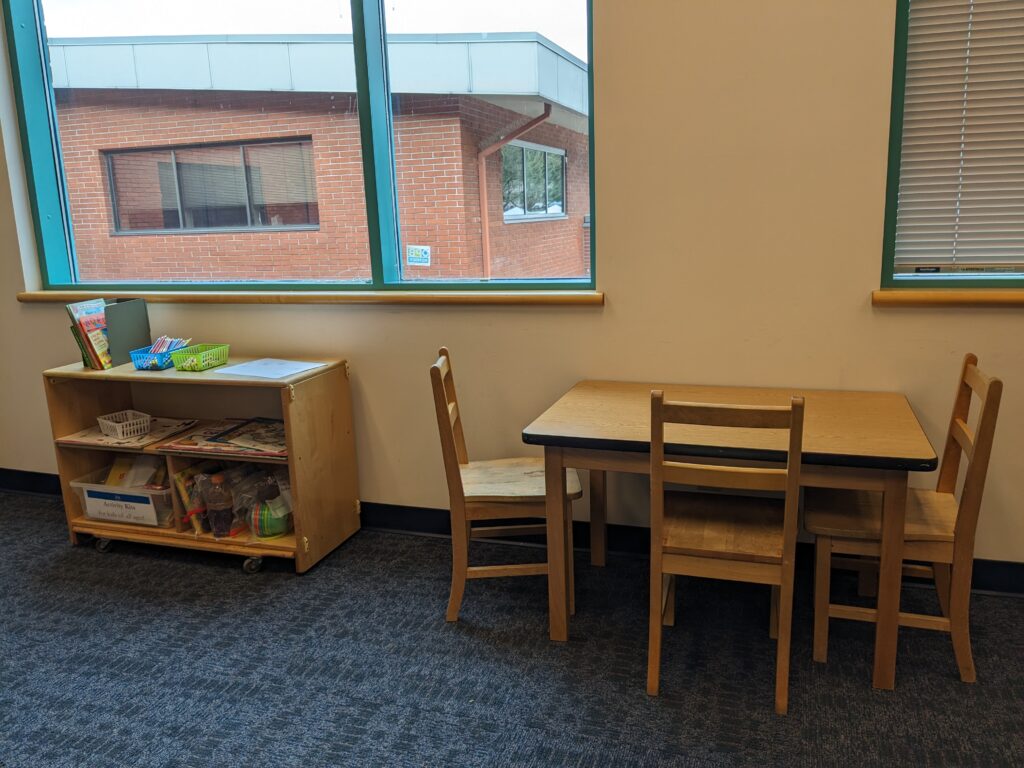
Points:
(961, 190)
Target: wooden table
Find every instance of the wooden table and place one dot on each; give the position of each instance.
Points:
(861, 440)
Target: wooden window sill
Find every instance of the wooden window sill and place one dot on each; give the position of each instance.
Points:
(563, 298)
(962, 297)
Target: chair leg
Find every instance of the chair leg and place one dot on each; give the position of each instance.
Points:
(941, 571)
(822, 586)
(782, 649)
(460, 564)
(960, 631)
(569, 564)
(773, 614)
(654, 636)
(668, 618)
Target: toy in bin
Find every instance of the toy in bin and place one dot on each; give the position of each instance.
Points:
(270, 516)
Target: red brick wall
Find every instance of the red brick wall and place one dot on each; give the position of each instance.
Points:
(437, 139)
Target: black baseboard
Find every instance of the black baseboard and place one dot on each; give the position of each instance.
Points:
(21, 481)
(989, 575)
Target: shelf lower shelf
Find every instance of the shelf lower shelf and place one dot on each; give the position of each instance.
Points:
(156, 450)
(244, 544)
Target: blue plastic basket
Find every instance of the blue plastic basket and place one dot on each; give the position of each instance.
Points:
(144, 360)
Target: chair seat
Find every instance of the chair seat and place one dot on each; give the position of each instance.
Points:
(930, 516)
(728, 527)
(519, 480)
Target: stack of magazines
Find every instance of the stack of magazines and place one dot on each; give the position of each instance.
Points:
(251, 436)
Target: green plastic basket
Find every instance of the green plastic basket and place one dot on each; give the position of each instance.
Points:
(200, 357)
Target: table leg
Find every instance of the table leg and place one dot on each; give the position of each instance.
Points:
(598, 516)
(890, 579)
(558, 585)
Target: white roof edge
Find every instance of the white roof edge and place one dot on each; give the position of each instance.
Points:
(519, 64)
(450, 37)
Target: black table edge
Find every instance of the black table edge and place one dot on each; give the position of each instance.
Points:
(739, 454)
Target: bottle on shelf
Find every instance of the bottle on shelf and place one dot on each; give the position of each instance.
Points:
(219, 507)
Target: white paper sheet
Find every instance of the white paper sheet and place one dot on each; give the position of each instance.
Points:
(270, 368)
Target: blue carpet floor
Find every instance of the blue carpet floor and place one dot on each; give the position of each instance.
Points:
(156, 657)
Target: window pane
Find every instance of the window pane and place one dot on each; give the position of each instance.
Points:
(144, 190)
(512, 180)
(212, 183)
(188, 76)
(556, 183)
(536, 201)
(281, 184)
(451, 117)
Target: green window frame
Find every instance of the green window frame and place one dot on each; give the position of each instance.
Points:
(30, 68)
(890, 279)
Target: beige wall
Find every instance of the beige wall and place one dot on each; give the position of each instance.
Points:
(741, 155)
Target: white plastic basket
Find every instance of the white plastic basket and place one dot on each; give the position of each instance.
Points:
(125, 424)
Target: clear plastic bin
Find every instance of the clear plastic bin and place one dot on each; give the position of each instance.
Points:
(115, 504)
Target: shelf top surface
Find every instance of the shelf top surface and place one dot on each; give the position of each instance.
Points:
(127, 372)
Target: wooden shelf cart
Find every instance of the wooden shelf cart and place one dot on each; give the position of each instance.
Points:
(316, 407)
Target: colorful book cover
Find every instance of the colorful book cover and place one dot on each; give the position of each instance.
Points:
(78, 313)
(94, 328)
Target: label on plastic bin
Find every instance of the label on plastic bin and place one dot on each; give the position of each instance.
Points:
(120, 507)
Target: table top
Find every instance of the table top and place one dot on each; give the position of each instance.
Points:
(875, 430)
(127, 372)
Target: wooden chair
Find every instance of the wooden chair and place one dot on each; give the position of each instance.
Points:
(938, 530)
(737, 538)
(500, 489)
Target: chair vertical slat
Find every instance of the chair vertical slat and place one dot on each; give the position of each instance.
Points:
(949, 468)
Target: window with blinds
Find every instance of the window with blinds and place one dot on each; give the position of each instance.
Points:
(960, 205)
(225, 186)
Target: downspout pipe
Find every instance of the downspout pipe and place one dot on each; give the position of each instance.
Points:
(481, 170)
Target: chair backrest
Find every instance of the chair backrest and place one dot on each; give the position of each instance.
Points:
(449, 423)
(737, 478)
(976, 446)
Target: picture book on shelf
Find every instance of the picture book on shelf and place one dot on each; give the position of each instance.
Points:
(90, 331)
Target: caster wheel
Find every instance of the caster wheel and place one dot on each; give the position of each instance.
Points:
(252, 564)
(103, 545)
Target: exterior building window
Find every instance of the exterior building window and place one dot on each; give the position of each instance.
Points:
(237, 186)
(532, 181)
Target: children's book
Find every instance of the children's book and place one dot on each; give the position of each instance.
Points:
(90, 319)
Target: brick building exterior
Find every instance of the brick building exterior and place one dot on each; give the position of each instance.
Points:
(437, 138)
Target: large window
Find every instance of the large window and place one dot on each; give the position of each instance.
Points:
(267, 185)
(363, 145)
(955, 212)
